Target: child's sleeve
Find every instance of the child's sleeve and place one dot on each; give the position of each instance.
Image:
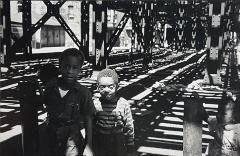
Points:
(88, 107)
(88, 110)
(129, 128)
(47, 99)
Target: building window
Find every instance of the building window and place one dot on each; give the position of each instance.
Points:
(70, 12)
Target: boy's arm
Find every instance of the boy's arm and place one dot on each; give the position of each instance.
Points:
(129, 129)
(88, 128)
(89, 110)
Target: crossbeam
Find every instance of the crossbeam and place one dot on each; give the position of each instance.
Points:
(54, 11)
(19, 43)
(117, 32)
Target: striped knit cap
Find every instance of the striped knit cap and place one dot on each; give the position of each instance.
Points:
(108, 73)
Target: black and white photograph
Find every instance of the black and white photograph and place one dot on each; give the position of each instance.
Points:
(120, 78)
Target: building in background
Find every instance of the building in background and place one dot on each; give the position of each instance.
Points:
(53, 35)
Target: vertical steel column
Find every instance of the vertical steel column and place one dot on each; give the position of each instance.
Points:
(26, 23)
(214, 43)
(181, 23)
(227, 25)
(99, 34)
(1, 35)
(157, 33)
(6, 55)
(139, 21)
(162, 23)
(133, 35)
(148, 31)
(176, 6)
(200, 27)
(194, 25)
(154, 25)
(187, 29)
(85, 28)
(133, 45)
(237, 21)
(152, 11)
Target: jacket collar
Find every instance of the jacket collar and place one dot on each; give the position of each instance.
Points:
(54, 84)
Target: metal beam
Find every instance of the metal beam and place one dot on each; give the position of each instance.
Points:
(138, 31)
(214, 43)
(85, 27)
(26, 23)
(149, 11)
(6, 54)
(99, 34)
(20, 42)
(54, 11)
(114, 37)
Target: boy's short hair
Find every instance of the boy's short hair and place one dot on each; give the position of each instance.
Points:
(72, 52)
(108, 73)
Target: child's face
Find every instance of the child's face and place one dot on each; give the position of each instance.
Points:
(70, 68)
(107, 87)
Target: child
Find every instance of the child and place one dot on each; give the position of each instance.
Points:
(69, 107)
(113, 123)
(226, 139)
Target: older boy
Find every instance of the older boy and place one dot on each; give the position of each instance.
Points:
(69, 107)
(113, 123)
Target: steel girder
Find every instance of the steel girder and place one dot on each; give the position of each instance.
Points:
(99, 34)
(54, 11)
(214, 42)
(26, 23)
(114, 37)
(6, 55)
(34, 27)
(85, 27)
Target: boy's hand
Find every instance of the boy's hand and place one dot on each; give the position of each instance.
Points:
(212, 124)
(87, 151)
(62, 132)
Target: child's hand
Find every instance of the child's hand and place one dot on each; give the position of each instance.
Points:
(212, 124)
(87, 151)
(62, 132)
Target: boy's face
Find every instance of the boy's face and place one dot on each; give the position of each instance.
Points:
(107, 87)
(70, 68)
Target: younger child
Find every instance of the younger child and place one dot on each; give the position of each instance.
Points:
(113, 122)
(69, 107)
